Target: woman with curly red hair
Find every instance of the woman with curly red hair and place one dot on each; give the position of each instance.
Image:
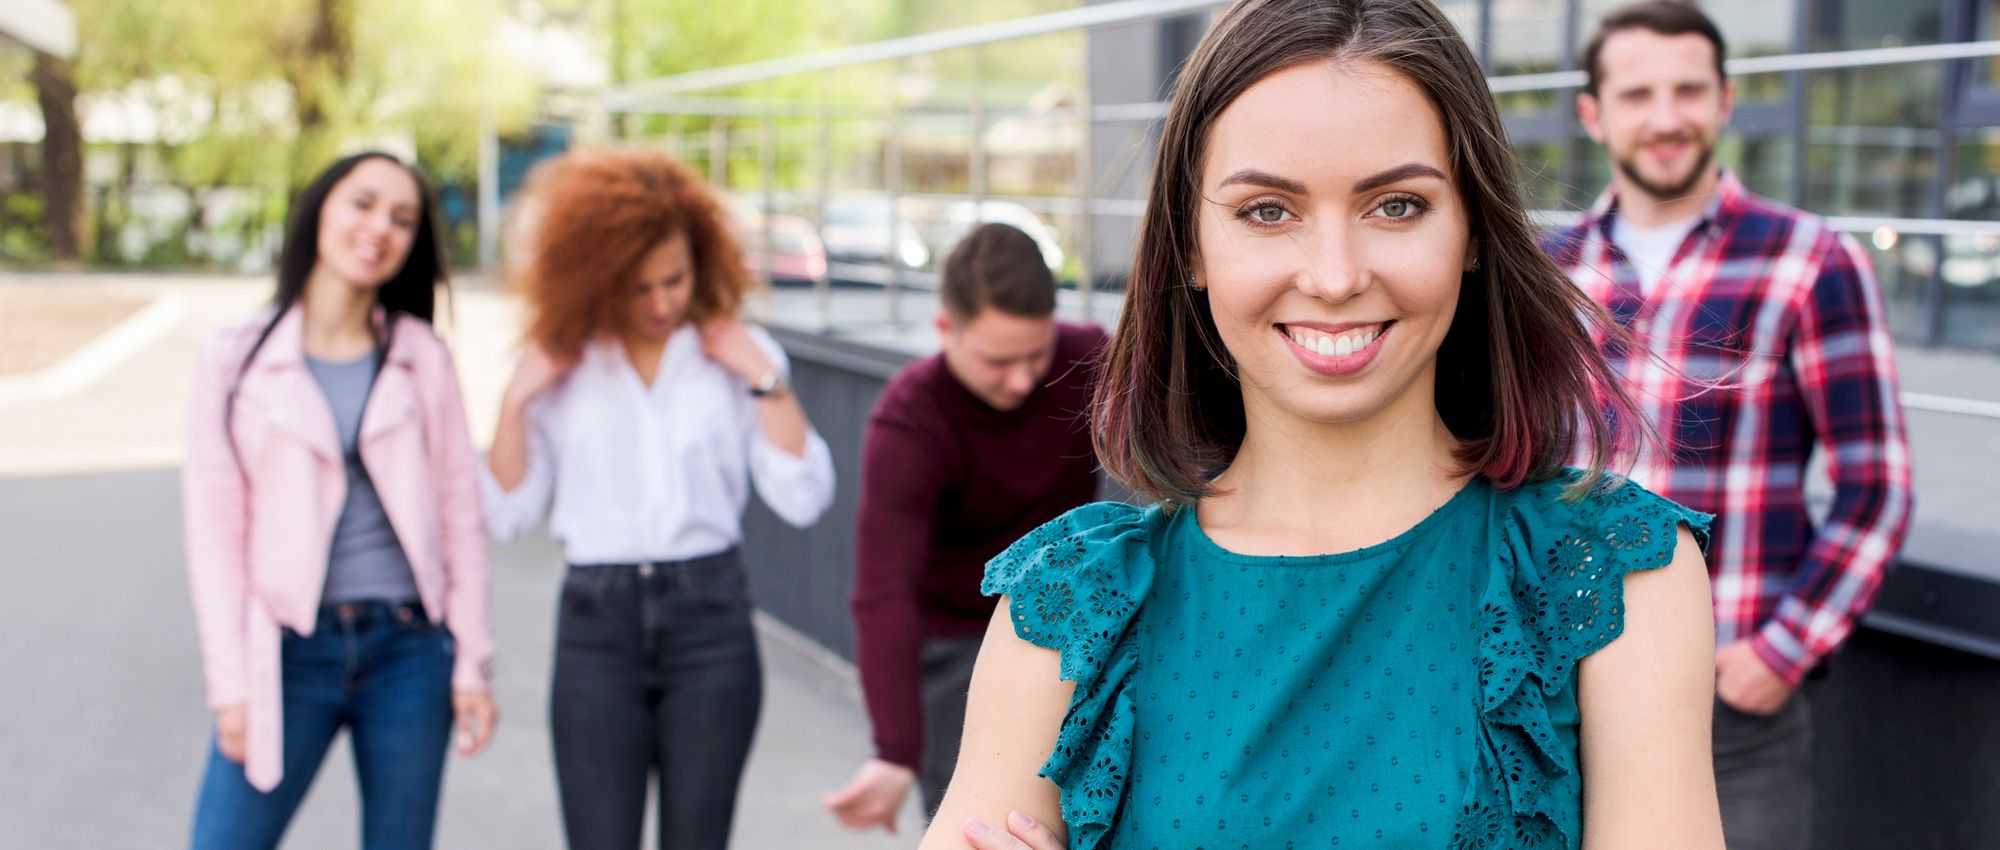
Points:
(640, 416)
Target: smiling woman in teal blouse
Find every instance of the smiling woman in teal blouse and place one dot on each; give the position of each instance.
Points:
(1340, 338)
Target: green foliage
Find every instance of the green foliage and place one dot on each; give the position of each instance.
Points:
(24, 238)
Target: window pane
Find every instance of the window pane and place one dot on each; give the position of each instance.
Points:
(1763, 162)
(1970, 266)
(1903, 269)
(1464, 15)
(1541, 174)
(1859, 24)
(1873, 143)
(1527, 39)
(1988, 28)
(1756, 28)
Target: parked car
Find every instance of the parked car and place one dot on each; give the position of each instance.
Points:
(796, 254)
(962, 217)
(857, 231)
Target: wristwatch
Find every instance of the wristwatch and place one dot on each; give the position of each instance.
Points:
(772, 385)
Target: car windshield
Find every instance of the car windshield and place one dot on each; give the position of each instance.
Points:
(857, 215)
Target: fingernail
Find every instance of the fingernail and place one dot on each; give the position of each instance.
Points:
(1021, 820)
(977, 827)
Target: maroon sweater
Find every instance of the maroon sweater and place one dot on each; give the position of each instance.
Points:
(947, 483)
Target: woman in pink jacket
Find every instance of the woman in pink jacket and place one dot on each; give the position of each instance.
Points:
(335, 545)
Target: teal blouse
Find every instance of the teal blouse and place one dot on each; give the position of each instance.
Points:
(1418, 693)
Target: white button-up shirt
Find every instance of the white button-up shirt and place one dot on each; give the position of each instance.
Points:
(654, 473)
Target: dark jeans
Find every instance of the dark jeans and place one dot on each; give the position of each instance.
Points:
(946, 677)
(383, 671)
(1763, 775)
(656, 671)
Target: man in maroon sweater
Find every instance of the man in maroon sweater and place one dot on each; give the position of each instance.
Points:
(967, 450)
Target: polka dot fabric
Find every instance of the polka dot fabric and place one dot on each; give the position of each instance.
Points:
(1419, 693)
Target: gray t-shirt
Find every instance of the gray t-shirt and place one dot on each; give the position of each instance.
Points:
(367, 562)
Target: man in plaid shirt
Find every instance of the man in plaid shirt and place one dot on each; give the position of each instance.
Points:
(1756, 331)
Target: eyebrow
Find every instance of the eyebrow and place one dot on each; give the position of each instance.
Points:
(1265, 179)
(1401, 172)
(1272, 181)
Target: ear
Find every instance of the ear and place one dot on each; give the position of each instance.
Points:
(1728, 99)
(1471, 263)
(1587, 112)
(944, 323)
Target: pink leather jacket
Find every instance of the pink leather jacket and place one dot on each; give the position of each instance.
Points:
(260, 518)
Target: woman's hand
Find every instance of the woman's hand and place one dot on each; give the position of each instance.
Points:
(229, 728)
(727, 342)
(1022, 833)
(475, 716)
(536, 371)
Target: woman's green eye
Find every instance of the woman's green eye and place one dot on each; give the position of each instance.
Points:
(1397, 208)
(1270, 215)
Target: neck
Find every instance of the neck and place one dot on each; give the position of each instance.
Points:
(1333, 486)
(338, 317)
(643, 351)
(1643, 209)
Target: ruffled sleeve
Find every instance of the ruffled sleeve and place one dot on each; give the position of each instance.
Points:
(1076, 585)
(1555, 596)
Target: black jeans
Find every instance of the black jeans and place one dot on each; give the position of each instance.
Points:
(656, 671)
(1764, 776)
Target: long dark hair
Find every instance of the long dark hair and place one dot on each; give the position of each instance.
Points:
(1519, 378)
(411, 291)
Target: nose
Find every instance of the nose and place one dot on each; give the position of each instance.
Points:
(381, 223)
(661, 302)
(1021, 380)
(1662, 114)
(1331, 268)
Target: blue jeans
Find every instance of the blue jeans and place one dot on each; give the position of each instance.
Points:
(384, 671)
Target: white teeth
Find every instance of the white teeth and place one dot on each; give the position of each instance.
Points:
(1328, 345)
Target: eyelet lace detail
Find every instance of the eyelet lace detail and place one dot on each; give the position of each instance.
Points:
(1557, 596)
(1076, 585)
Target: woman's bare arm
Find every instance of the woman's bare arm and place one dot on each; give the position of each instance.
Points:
(1012, 716)
(1648, 779)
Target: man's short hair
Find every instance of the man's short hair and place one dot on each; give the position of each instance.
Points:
(1666, 17)
(1000, 267)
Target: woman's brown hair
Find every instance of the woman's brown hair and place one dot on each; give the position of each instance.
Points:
(591, 215)
(1520, 382)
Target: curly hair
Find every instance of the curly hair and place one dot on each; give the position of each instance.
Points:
(590, 216)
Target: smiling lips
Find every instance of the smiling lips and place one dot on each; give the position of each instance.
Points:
(1336, 349)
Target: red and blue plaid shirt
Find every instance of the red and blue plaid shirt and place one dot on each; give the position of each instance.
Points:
(1764, 335)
